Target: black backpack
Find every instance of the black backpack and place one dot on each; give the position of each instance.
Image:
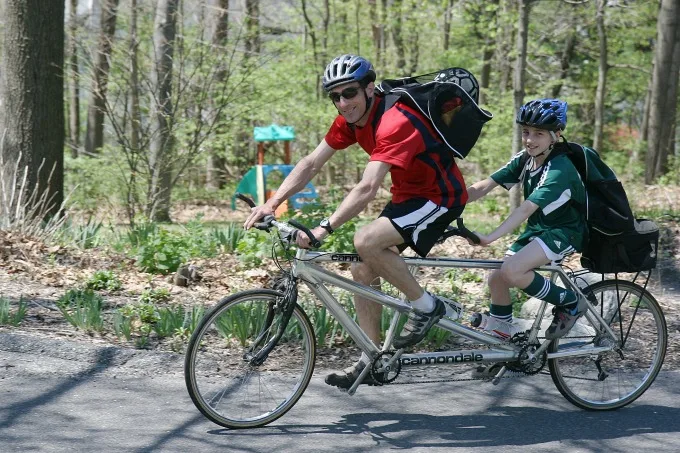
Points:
(617, 242)
(450, 109)
(606, 209)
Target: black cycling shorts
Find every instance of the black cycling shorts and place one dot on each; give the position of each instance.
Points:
(420, 222)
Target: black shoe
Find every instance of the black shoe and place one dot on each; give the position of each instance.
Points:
(564, 320)
(418, 324)
(488, 371)
(345, 378)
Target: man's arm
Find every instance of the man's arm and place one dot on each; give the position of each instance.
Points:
(359, 197)
(298, 178)
(355, 202)
(480, 188)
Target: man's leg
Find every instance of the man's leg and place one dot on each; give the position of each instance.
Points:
(373, 244)
(368, 312)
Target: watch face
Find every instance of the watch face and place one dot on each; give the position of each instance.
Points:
(326, 224)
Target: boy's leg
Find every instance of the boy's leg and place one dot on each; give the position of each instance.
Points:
(536, 253)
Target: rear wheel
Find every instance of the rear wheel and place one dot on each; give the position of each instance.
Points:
(224, 380)
(618, 377)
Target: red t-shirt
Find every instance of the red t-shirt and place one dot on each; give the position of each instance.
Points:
(422, 166)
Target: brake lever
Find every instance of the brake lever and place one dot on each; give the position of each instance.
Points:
(265, 224)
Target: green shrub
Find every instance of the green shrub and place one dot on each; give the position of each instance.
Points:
(7, 318)
(122, 325)
(228, 238)
(161, 250)
(82, 309)
(169, 320)
(152, 296)
(85, 236)
(163, 253)
(103, 281)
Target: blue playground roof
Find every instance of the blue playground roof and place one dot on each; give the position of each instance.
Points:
(274, 132)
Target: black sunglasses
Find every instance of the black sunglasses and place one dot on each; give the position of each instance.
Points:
(347, 93)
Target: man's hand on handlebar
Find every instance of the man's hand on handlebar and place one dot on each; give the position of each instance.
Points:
(303, 240)
(257, 213)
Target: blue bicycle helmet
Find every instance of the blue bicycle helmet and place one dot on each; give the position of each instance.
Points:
(347, 68)
(548, 114)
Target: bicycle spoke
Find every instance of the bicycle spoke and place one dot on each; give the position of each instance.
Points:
(622, 375)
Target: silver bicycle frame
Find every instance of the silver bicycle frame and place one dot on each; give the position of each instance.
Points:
(314, 276)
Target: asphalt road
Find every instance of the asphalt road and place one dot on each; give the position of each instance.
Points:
(62, 396)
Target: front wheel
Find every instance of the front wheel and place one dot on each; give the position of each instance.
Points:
(618, 377)
(224, 380)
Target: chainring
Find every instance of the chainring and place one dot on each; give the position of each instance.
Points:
(390, 374)
(523, 365)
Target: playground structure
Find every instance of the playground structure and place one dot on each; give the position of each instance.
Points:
(255, 181)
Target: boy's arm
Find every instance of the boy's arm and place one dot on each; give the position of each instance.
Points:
(480, 188)
(516, 218)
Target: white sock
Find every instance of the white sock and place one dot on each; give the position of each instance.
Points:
(365, 358)
(424, 303)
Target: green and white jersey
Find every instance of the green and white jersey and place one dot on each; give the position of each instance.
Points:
(555, 187)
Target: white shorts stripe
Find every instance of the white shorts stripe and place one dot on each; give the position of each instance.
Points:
(420, 219)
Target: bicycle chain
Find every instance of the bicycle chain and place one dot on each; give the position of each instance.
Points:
(509, 374)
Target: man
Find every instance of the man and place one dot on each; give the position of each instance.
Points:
(428, 193)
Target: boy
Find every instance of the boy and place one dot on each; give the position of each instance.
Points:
(555, 228)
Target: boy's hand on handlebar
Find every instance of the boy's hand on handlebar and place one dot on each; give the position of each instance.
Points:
(256, 214)
(303, 240)
(483, 240)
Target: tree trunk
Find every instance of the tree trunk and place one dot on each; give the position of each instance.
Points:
(252, 26)
(94, 137)
(565, 60)
(518, 88)
(397, 35)
(601, 90)
(32, 93)
(135, 116)
(663, 82)
(377, 30)
(215, 174)
(414, 43)
(161, 146)
(503, 45)
(448, 13)
(485, 77)
(73, 76)
(667, 140)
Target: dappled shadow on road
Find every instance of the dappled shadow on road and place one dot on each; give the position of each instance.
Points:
(17, 412)
(499, 426)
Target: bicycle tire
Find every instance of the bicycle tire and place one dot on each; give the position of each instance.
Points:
(623, 377)
(224, 385)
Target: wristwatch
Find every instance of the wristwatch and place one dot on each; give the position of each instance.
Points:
(326, 225)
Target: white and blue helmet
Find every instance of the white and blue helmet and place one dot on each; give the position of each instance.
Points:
(347, 68)
(547, 114)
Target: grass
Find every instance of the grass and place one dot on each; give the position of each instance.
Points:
(82, 309)
(9, 318)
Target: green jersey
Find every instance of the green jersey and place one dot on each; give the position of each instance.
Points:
(555, 187)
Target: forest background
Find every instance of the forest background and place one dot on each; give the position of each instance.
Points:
(119, 116)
